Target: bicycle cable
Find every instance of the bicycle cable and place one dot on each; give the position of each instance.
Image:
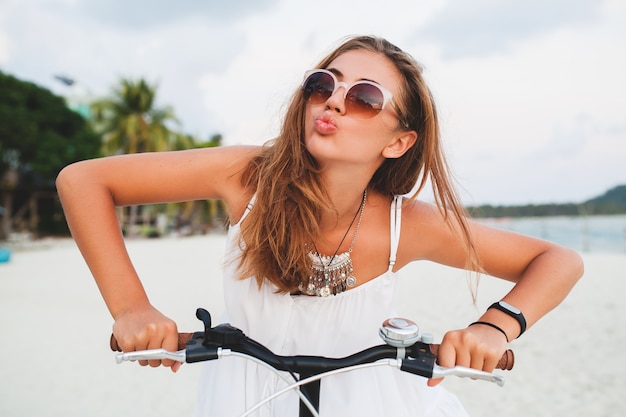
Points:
(292, 386)
(384, 362)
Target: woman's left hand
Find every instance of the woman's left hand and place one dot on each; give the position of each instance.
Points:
(479, 347)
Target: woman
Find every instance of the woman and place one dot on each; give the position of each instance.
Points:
(318, 233)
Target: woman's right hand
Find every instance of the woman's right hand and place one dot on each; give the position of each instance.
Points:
(146, 328)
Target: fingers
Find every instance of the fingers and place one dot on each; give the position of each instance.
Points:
(477, 347)
(446, 357)
(164, 336)
(147, 331)
(434, 382)
(176, 366)
(155, 341)
(170, 343)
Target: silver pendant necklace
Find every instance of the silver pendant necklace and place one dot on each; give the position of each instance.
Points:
(333, 274)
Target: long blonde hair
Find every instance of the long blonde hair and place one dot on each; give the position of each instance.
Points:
(290, 195)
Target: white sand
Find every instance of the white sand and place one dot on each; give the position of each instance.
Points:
(55, 359)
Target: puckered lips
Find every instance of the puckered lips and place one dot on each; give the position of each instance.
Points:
(325, 124)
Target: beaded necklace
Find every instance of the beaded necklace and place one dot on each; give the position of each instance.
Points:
(333, 274)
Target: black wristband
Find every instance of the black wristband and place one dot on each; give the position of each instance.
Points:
(486, 323)
(513, 312)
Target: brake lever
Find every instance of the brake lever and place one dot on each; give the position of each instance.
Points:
(465, 372)
(194, 352)
(151, 354)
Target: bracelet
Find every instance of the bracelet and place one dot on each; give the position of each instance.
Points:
(513, 312)
(486, 323)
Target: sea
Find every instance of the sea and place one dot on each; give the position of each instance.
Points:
(585, 234)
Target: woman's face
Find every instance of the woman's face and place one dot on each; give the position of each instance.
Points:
(333, 134)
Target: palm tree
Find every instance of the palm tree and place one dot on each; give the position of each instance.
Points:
(129, 123)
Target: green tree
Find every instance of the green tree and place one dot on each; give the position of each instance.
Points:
(611, 202)
(129, 121)
(39, 135)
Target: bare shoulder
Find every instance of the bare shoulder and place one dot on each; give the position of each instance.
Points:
(234, 162)
(226, 162)
(216, 173)
(426, 233)
(421, 214)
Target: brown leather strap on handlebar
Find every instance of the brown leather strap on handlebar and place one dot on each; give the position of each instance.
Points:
(506, 362)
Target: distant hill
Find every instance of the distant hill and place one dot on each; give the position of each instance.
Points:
(611, 202)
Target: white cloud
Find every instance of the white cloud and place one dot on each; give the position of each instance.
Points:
(4, 49)
(505, 114)
(531, 105)
(141, 15)
(486, 27)
(247, 99)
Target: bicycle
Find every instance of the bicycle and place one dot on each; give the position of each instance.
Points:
(404, 349)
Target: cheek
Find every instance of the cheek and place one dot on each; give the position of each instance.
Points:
(377, 132)
(308, 123)
(390, 121)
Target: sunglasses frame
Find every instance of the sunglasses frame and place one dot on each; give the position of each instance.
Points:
(387, 95)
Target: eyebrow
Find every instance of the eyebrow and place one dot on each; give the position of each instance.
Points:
(339, 74)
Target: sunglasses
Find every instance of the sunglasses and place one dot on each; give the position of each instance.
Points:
(363, 99)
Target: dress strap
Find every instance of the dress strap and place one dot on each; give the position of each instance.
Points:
(396, 217)
(248, 208)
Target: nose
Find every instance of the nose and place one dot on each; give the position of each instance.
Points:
(336, 102)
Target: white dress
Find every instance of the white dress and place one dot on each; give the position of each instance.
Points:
(333, 326)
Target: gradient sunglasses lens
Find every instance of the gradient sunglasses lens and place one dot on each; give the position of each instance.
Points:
(318, 87)
(363, 99)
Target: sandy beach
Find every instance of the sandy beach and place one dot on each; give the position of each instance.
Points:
(55, 359)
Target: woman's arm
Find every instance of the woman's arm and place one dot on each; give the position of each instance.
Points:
(90, 191)
(543, 273)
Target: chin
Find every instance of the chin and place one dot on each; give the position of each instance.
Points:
(319, 146)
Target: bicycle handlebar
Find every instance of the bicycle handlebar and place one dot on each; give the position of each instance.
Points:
(404, 350)
(195, 346)
(505, 363)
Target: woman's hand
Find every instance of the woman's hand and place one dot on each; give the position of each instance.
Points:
(146, 328)
(478, 346)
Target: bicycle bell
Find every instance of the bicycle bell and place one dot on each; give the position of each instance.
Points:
(398, 332)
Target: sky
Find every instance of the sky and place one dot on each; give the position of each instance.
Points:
(531, 94)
